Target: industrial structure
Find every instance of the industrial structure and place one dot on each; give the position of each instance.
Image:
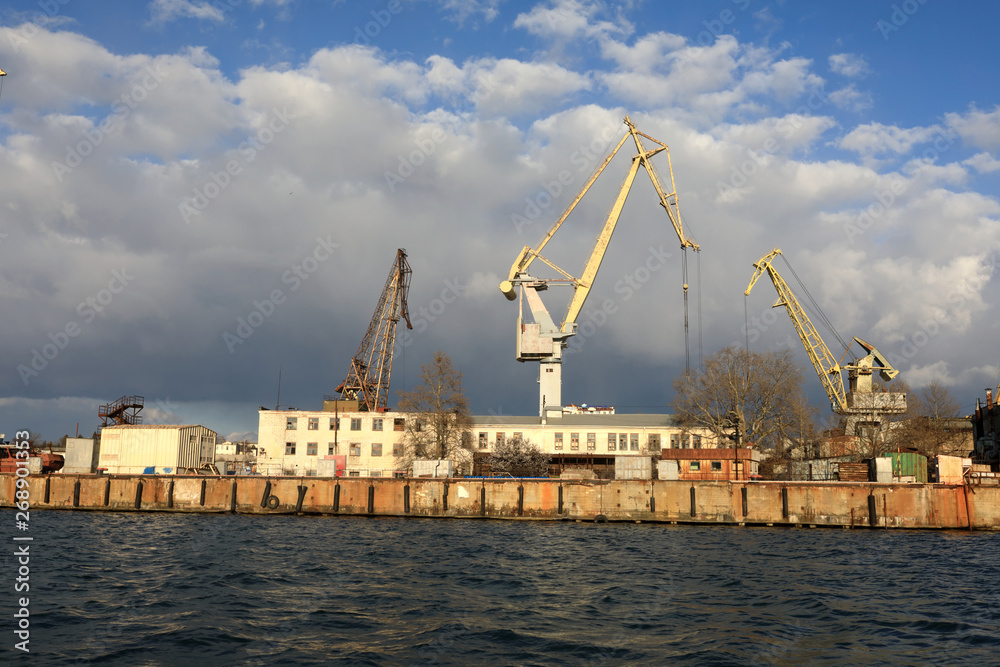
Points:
(367, 381)
(367, 445)
(865, 407)
(156, 449)
(542, 339)
(986, 432)
(121, 412)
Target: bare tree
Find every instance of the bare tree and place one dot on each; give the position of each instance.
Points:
(753, 398)
(520, 458)
(929, 423)
(438, 425)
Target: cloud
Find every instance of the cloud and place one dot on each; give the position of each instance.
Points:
(980, 129)
(851, 99)
(850, 65)
(984, 163)
(879, 139)
(164, 11)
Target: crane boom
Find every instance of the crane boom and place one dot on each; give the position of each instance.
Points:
(544, 339)
(371, 368)
(862, 398)
(826, 365)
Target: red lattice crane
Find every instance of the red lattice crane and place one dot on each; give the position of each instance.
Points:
(368, 377)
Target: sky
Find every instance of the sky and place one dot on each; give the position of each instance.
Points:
(198, 197)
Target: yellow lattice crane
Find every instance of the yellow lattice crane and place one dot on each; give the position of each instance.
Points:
(862, 398)
(543, 339)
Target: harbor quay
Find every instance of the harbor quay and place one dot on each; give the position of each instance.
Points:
(752, 503)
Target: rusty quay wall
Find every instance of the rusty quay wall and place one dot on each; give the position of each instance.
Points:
(840, 504)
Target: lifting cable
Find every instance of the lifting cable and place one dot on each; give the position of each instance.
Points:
(701, 359)
(687, 339)
(817, 311)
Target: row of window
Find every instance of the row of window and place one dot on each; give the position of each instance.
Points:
(312, 449)
(616, 441)
(715, 466)
(292, 423)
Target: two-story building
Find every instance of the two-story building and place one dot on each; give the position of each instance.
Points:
(367, 444)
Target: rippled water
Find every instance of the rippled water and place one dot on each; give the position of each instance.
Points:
(152, 589)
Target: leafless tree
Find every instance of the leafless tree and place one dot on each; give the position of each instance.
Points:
(438, 425)
(520, 458)
(752, 398)
(929, 423)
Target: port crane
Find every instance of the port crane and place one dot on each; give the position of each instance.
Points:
(865, 407)
(543, 339)
(368, 376)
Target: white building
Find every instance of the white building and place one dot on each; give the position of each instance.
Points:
(366, 444)
(155, 448)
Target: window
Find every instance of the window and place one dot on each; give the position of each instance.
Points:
(633, 442)
(331, 449)
(716, 466)
(517, 435)
(375, 473)
(574, 442)
(483, 440)
(696, 441)
(591, 442)
(623, 442)
(193, 440)
(421, 425)
(334, 423)
(355, 449)
(654, 442)
(314, 423)
(292, 423)
(397, 449)
(675, 440)
(355, 423)
(466, 440)
(694, 466)
(499, 438)
(376, 449)
(559, 441)
(312, 448)
(612, 442)
(289, 448)
(377, 424)
(354, 473)
(398, 424)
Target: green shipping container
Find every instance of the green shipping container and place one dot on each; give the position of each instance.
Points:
(909, 464)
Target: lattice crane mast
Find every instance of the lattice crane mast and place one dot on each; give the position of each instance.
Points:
(543, 340)
(368, 377)
(862, 399)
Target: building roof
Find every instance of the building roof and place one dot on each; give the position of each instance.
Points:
(580, 420)
(155, 426)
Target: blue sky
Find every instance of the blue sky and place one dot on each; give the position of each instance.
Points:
(863, 138)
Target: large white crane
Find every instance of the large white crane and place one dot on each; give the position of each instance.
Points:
(543, 339)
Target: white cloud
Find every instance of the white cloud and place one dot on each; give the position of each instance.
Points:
(163, 11)
(980, 129)
(852, 99)
(984, 163)
(879, 139)
(565, 19)
(850, 65)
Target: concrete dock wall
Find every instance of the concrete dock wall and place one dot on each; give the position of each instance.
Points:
(752, 503)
